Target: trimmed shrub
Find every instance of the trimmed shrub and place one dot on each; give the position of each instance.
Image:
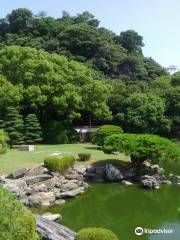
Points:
(84, 156)
(56, 164)
(96, 234)
(143, 146)
(103, 132)
(16, 222)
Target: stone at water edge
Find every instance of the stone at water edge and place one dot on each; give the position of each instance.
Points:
(175, 179)
(149, 182)
(127, 183)
(167, 182)
(52, 217)
(71, 193)
(41, 199)
(113, 173)
(53, 231)
(60, 201)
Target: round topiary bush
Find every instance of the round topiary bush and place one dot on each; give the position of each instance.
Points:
(84, 156)
(56, 164)
(144, 146)
(96, 234)
(16, 222)
(103, 132)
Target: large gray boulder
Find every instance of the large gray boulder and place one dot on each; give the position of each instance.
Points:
(52, 217)
(53, 182)
(80, 169)
(41, 199)
(113, 173)
(50, 230)
(31, 189)
(15, 186)
(70, 194)
(35, 179)
(18, 173)
(36, 170)
(71, 185)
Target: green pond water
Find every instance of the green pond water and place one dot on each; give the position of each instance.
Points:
(122, 209)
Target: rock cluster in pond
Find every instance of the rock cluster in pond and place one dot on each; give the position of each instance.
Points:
(146, 174)
(39, 187)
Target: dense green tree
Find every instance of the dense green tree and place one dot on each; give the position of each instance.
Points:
(10, 95)
(14, 126)
(94, 98)
(175, 80)
(32, 131)
(20, 20)
(2, 124)
(173, 108)
(54, 133)
(78, 37)
(145, 113)
(88, 18)
(53, 86)
(134, 68)
(153, 69)
(131, 41)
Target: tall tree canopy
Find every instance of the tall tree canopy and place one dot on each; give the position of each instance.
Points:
(50, 85)
(81, 38)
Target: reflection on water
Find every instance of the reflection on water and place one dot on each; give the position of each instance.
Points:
(122, 209)
(172, 236)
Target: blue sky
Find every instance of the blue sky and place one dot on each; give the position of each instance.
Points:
(158, 21)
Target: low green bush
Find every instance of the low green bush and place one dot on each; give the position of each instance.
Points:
(56, 164)
(144, 146)
(96, 234)
(84, 156)
(16, 222)
(3, 150)
(103, 132)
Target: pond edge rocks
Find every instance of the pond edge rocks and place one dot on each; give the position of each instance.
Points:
(39, 187)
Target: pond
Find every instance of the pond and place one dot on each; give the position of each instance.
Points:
(122, 209)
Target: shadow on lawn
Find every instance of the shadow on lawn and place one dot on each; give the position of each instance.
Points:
(93, 148)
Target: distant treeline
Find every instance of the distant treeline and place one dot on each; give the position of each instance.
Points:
(71, 70)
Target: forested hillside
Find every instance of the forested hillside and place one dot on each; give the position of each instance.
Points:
(74, 71)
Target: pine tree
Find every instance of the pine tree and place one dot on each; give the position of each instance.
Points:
(14, 126)
(2, 124)
(33, 131)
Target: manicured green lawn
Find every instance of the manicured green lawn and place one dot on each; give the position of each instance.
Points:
(15, 159)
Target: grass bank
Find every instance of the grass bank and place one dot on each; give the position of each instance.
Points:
(15, 159)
